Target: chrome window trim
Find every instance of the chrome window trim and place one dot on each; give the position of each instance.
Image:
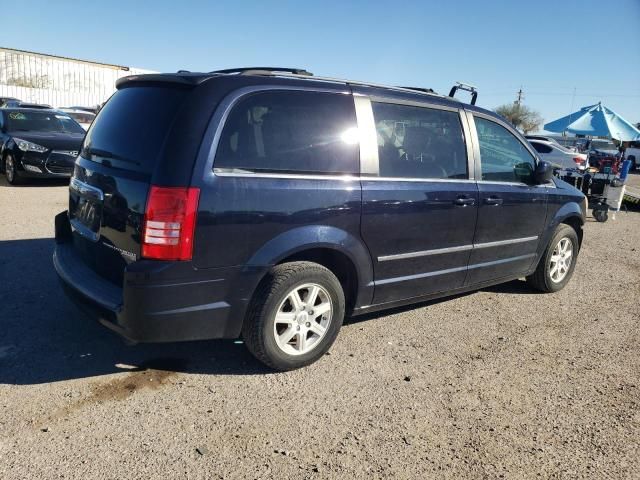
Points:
(239, 174)
(468, 140)
(461, 248)
(421, 180)
(369, 160)
(475, 143)
(299, 176)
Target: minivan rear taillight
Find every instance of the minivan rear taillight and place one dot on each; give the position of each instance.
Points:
(169, 222)
(578, 160)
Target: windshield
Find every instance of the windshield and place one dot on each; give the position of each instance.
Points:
(600, 145)
(82, 117)
(49, 121)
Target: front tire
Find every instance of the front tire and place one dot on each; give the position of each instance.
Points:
(558, 261)
(295, 315)
(10, 171)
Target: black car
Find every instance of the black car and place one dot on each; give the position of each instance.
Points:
(38, 143)
(269, 204)
(9, 102)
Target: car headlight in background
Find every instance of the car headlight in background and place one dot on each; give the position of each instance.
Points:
(26, 146)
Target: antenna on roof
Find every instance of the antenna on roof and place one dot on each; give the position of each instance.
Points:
(467, 88)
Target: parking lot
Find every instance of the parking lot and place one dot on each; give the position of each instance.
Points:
(504, 382)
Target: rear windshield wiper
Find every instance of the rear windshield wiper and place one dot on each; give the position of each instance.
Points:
(107, 154)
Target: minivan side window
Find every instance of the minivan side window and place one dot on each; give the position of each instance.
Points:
(419, 142)
(290, 132)
(504, 158)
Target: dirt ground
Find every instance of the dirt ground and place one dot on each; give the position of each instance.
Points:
(500, 383)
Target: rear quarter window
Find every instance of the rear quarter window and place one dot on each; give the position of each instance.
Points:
(133, 126)
(290, 132)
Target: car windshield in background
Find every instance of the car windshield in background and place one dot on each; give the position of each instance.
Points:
(82, 117)
(29, 121)
(603, 145)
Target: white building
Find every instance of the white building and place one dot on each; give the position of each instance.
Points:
(58, 81)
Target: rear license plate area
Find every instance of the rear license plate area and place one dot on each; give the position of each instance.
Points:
(85, 209)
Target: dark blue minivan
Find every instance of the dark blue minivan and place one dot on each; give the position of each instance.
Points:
(268, 204)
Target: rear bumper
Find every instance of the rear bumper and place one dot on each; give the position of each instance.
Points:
(158, 301)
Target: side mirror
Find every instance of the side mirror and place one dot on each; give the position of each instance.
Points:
(543, 172)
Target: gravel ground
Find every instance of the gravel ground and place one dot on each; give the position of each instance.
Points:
(503, 382)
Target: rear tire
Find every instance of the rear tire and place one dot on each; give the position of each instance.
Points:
(295, 315)
(558, 261)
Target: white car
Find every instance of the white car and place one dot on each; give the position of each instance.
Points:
(558, 155)
(633, 153)
(83, 117)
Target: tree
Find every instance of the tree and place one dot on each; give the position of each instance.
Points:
(520, 116)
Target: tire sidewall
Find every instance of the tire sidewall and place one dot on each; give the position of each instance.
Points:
(564, 231)
(15, 178)
(268, 312)
(11, 179)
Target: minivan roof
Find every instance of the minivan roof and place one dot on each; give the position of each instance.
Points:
(187, 78)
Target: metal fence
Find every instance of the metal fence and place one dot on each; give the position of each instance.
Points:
(58, 81)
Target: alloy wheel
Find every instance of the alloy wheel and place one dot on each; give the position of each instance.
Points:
(302, 319)
(9, 168)
(561, 259)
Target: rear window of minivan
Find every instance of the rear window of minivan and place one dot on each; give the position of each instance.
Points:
(131, 128)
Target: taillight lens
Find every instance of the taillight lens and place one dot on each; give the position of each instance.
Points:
(169, 222)
(578, 160)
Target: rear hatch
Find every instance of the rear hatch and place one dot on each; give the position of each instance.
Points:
(113, 174)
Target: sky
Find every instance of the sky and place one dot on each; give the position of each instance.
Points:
(564, 54)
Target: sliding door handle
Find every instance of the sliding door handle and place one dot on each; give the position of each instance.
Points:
(464, 201)
(493, 201)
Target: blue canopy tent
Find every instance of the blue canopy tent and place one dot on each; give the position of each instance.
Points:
(597, 121)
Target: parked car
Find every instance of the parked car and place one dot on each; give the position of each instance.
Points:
(602, 152)
(37, 143)
(95, 109)
(632, 153)
(567, 145)
(42, 106)
(9, 102)
(269, 204)
(556, 154)
(83, 117)
(603, 148)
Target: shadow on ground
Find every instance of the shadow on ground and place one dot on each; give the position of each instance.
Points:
(35, 182)
(44, 338)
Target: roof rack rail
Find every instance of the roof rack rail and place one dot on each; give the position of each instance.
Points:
(420, 89)
(467, 88)
(264, 71)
